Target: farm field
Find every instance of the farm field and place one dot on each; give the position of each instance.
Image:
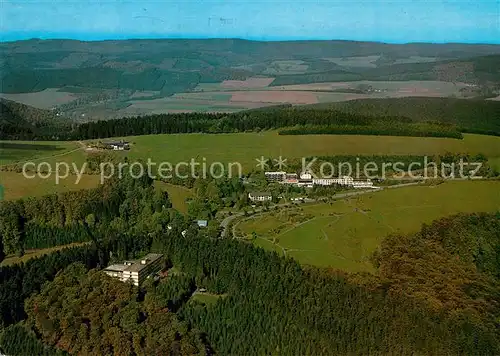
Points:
(248, 83)
(235, 95)
(345, 233)
(287, 67)
(389, 87)
(45, 99)
(189, 102)
(356, 62)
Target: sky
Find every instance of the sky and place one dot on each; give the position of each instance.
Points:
(397, 21)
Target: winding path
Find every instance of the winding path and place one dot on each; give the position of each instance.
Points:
(227, 221)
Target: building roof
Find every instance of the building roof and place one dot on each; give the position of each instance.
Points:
(202, 223)
(136, 265)
(117, 143)
(268, 173)
(116, 268)
(260, 194)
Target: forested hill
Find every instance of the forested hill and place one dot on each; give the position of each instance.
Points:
(448, 117)
(432, 117)
(435, 293)
(472, 115)
(18, 120)
(173, 66)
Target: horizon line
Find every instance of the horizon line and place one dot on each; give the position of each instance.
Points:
(194, 37)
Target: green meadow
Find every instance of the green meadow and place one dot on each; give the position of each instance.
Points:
(243, 148)
(17, 186)
(246, 147)
(19, 151)
(345, 233)
(177, 194)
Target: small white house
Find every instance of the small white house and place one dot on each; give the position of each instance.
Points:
(305, 175)
(363, 184)
(202, 223)
(260, 196)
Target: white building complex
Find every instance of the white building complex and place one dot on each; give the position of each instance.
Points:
(306, 179)
(136, 271)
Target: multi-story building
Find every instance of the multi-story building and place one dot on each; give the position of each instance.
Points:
(306, 179)
(136, 271)
(275, 176)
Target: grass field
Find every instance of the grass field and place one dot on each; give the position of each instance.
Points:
(177, 195)
(206, 298)
(345, 233)
(16, 186)
(45, 99)
(18, 151)
(246, 147)
(243, 148)
(363, 62)
(29, 254)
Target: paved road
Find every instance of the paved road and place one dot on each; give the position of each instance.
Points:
(225, 223)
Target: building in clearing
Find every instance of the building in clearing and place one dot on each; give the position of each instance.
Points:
(118, 146)
(136, 271)
(275, 176)
(202, 223)
(260, 196)
(363, 184)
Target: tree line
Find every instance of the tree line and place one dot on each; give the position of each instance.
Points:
(253, 120)
(85, 312)
(378, 129)
(277, 306)
(297, 120)
(120, 205)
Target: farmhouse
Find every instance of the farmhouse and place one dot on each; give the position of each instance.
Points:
(260, 196)
(118, 146)
(136, 271)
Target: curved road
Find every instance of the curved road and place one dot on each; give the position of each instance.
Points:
(225, 223)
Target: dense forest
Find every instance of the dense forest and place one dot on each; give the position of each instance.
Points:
(121, 205)
(436, 291)
(409, 116)
(19, 121)
(92, 314)
(379, 129)
(472, 116)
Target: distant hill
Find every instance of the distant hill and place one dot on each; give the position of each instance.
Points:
(171, 66)
(483, 70)
(111, 79)
(23, 121)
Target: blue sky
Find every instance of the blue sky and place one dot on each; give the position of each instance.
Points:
(377, 20)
